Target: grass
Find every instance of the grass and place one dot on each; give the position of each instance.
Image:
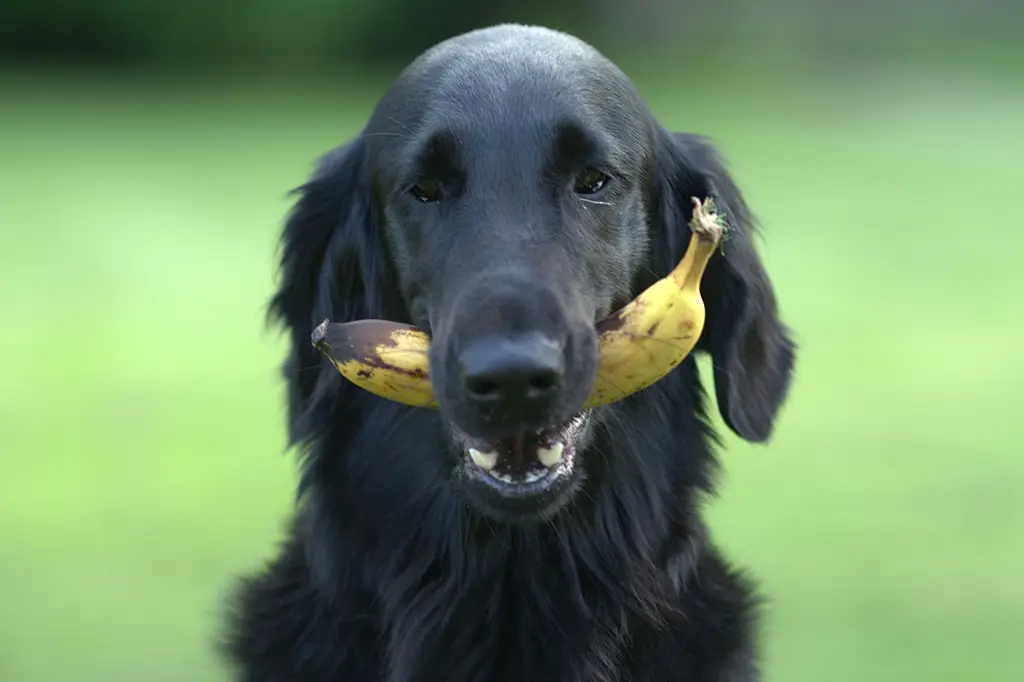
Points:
(142, 428)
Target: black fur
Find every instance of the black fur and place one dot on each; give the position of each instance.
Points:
(388, 572)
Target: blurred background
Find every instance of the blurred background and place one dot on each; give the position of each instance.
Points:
(146, 148)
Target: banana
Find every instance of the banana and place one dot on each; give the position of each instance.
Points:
(385, 358)
(648, 337)
(638, 345)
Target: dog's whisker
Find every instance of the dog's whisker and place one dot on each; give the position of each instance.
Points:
(645, 337)
(407, 128)
(383, 134)
(408, 351)
(622, 393)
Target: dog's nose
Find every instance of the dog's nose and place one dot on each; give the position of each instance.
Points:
(514, 377)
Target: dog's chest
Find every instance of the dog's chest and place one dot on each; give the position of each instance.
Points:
(523, 634)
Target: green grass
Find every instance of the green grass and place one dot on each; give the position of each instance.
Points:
(142, 428)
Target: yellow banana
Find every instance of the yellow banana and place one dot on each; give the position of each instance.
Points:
(386, 358)
(637, 346)
(648, 337)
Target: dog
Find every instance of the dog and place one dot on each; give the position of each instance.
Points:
(510, 189)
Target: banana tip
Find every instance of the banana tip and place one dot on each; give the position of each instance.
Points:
(319, 334)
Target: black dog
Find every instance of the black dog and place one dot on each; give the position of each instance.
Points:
(510, 189)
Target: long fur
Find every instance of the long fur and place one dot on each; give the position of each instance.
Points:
(387, 575)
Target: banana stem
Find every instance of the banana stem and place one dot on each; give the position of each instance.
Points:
(707, 227)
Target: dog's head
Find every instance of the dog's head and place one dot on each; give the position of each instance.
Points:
(509, 190)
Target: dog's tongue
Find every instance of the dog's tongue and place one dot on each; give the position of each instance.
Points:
(523, 456)
(517, 449)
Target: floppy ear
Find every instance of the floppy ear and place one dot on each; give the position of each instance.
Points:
(332, 266)
(751, 349)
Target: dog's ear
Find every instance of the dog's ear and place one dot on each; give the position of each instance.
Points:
(751, 349)
(331, 266)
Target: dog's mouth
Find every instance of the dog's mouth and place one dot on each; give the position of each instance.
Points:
(526, 464)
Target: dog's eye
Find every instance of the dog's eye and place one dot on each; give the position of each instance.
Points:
(426, 191)
(590, 181)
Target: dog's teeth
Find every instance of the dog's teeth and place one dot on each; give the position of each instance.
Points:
(549, 456)
(534, 475)
(484, 460)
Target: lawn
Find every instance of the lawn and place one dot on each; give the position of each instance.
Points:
(143, 461)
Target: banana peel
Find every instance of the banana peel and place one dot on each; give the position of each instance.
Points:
(637, 345)
(389, 359)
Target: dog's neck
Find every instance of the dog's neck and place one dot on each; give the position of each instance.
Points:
(447, 583)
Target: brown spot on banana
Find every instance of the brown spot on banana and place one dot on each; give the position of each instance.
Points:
(386, 358)
(611, 323)
(638, 344)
